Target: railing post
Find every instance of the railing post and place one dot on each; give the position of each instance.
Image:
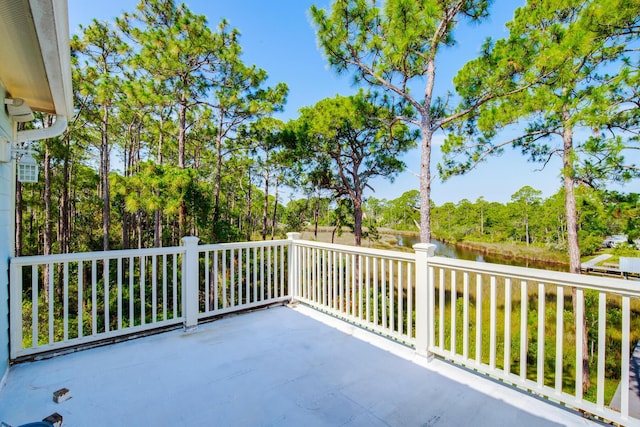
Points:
(293, 265)
(15, 309)
(190, 279)
(424, 318)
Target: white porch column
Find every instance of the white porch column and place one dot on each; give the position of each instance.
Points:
(424, 318)
(293, 265)
(190, 277)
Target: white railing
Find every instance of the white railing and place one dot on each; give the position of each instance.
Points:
(371, 288)
(490, 318)
(62, 301)
(487, 317)
(238, 276)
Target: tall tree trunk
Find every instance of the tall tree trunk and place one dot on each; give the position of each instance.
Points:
(157, 214)
(425, 179)
(265, 207)
(275, 210)
(139, 227)
(65, 204)
(218, 176)
(106, 193)
(316, 218)
(357, 220)
(249, 207)
(182, 210)
(425, 157)
(572, 238)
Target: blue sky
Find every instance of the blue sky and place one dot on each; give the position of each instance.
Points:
(277, 36)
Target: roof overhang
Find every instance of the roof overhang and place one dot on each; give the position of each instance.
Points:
(35, 62)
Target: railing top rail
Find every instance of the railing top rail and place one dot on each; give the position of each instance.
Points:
(625, 287)
(395, 255)
(237, 245)
(98, 255)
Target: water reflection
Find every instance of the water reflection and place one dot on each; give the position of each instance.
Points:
(451, 251)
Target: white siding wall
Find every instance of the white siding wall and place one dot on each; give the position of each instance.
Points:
(6, 240)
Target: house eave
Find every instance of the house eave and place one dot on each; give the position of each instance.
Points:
(35, 64)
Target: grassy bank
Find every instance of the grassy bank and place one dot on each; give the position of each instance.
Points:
(388, 240)
(514, 251)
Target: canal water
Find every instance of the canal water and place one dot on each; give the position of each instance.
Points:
(452, 251)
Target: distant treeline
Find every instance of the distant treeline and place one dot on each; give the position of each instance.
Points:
(527, 218)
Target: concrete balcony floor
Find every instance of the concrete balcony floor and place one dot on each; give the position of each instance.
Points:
(278, 366)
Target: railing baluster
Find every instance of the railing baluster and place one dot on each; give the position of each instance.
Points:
(241, 269)
(94, 298)
(105, 279)
(35, 302)
(625, 369)
(143, 290)
(454, 299)
(541, 320)
(262, 273)
(175, 286)
(328, 301)
(164, 287)
(154, 289)
(478, 319)
(309, 273)
(432, 308)
(375, 291)
(51, 296)
(232, 278)
(224, 279)
(331, 294)
(255, 275)
(492, 323)
(368, 289)
(391, 296)
(119, 285)
(80, 297)
(269, 278)
(360, 287)
(524, 302)
(441, 301)
(347, 296)
(313, 274)
(216, 282)
(507, 326)
(323, 266)
(132, 320)
(602, 324)
(383, 292)
(410, 289)
(65, 301)
(282, 293)
(559, 337)
(353, 285)
(579, 317)
(207, 278)
(400, 298)
(247, 276)
(465, 315)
